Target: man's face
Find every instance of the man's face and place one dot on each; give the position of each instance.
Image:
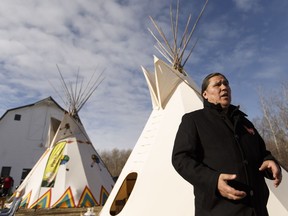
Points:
(218, 91)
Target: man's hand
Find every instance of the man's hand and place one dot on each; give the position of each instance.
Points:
(274, 169)
(227, 191)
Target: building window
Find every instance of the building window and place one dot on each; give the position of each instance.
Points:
(17, 117)
(5, 171)
(25, 172)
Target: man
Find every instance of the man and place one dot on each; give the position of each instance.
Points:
(218, 150)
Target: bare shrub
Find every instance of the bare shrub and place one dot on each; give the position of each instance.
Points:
(273, 126)
(115, 159)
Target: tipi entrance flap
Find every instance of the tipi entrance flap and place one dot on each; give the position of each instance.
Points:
(162, 87)
(167, 84)
(151, 82)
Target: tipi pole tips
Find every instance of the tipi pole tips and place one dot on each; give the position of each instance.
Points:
(174, 52)
(77, 93)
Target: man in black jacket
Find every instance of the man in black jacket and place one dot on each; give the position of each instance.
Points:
(218, 150)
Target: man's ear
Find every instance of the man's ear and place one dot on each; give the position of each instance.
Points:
(204, 94)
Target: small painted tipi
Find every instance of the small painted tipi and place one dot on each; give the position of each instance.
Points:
(70, 173)
(148, 183)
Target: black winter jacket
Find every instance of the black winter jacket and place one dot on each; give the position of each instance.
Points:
(210, 142)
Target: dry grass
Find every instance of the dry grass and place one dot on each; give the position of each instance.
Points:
(57, 212)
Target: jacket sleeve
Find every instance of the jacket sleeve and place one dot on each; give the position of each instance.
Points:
(187, 160)
(266, 154)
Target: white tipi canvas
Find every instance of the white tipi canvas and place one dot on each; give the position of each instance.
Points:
(148, 184)
(158, 189)
(69, 174)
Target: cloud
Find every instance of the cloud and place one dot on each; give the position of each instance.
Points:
(247, 5)
(112, 36)
(88, 36)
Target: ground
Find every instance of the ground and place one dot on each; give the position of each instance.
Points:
(57, 212)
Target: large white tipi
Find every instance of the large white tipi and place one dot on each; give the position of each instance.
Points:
(70, 173)
(148, 183)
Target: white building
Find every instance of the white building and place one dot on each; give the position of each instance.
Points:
(25, 133)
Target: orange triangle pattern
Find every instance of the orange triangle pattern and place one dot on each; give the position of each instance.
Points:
(103, 195)
(87, 199)
(66, 200)
(43, 202)
(25, 201)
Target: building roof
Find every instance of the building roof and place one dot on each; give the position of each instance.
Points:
(47, 100)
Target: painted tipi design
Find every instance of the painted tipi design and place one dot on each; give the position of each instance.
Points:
(70, 173)
(148, 183)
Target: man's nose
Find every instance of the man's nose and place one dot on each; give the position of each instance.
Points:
(223, 86)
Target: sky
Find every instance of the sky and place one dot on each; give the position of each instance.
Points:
(243, 39)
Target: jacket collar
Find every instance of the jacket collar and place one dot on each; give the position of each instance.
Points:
(232, 110)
